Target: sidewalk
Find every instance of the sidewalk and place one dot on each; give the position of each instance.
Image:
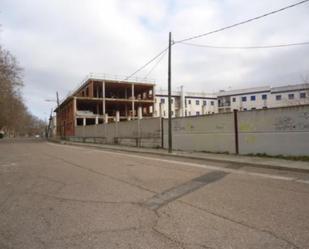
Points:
(260, 162)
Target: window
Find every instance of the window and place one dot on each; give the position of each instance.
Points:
(291, 96)
(197, 113)
(79, 121)
(197, 102)
(189, 101)
(212, 103)
(302, 95)
(253, 108)
(278, 97)
(204, 102)
(234, 99)
(189, 113)
(172, 113)
(163, 101)
(185, 112)
(252, 98)
(243, 99)
(264, 96)
(172, 101)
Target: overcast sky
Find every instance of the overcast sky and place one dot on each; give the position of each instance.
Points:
(59, 42)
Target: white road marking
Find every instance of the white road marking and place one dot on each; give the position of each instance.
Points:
(302, 181)
(189, 164)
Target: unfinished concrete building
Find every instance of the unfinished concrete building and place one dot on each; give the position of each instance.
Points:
(101, 99)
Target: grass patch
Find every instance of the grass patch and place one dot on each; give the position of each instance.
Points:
(293, 158)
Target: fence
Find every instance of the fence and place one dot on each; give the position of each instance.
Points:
(275, 131)
(213, 133)
(140, 133)
(278, 131)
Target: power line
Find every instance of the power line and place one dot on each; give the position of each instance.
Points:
(243, 22)
(147, 63)
(216, 31)
(155, 65)
(245, 47)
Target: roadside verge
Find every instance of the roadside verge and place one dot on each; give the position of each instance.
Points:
(251, 161)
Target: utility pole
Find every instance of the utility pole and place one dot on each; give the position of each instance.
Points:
(170, 142)
(58, 103)
(57, 96)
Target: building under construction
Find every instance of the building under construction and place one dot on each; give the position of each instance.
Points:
(101, 100)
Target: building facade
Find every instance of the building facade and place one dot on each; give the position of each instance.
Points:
(185, 104)
(263, 97)
(194, 104)
(101, 99)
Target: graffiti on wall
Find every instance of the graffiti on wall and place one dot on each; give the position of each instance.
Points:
(292, 123)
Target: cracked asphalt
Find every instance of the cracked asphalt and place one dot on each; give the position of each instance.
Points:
(59, 196)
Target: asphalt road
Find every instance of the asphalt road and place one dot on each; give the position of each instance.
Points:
(59, 196)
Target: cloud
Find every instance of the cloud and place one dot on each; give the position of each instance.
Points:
(59, 42)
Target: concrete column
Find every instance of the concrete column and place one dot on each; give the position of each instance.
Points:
(84, 121)
(117, 116)
(96, 120)
(90, 89)
(74, 111)
(140, 112)
(182, 102)
(105, 118)
(133, 110)
(103, 96)
(154, 100)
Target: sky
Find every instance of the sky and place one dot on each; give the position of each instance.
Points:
(59, 42)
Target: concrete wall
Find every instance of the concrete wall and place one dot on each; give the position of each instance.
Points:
(278, 131)
(213, 133)
(144, 133)
(275, 131)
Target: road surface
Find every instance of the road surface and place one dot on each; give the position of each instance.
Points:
(60, 196)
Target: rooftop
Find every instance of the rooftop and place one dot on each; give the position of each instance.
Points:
(107, 77)
(244, 91)
(290, 88)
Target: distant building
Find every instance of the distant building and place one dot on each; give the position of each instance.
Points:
(102, 99)
(185, 103)
(193, 104)
(263, 97)
(52, 126)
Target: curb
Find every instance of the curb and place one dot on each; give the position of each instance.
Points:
(254, 165)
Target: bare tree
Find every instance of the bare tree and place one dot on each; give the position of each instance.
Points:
(14, 116)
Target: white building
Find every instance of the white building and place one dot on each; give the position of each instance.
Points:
(193, 104)
(185, 104)
(263, 97)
